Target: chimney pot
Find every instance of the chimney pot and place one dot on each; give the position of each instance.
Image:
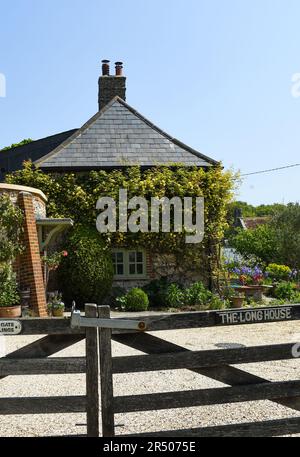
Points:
(111, 86)
(119, 68)
(105, 67)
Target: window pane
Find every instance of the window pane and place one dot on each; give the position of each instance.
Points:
(120, 257)
(113, 256)
(132, 269)
(132, 257)
(120, 269)
(139, 268)
(139, 257)
(115, 269)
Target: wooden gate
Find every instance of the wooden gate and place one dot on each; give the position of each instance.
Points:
(162, 355)
(215, 364)
(32, 360)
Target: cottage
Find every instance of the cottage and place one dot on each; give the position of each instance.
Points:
(116, 137)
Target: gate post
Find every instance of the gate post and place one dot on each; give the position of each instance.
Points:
(106, 375)
(92, 375)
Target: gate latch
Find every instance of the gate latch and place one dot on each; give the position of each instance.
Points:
(78, 321)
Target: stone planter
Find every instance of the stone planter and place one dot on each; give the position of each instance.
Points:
(58, 312)
(254, 291)
(10, 312)
(237, 302)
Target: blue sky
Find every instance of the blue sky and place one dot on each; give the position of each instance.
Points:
(216, 74)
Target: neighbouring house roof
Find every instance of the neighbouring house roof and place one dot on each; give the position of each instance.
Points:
(13, 158)
(119, 136)
(250, 223)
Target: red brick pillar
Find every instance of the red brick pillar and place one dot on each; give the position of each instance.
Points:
(30, 267)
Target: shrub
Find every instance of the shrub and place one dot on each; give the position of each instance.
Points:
(278, 272)
(197, 294)
(157, 292)
(86, 273)
(175, 296)
(115, 293)
(284, 291)
(136, 300)
(8, 287)
(296, 298)
(216, 302)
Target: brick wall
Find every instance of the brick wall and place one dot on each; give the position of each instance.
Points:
(29, 265)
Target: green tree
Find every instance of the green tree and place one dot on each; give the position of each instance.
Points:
(259, 244)
(278, 241)
(286, 224)
(15, 145)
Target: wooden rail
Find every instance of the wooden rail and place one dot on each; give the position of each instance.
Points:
(177, 321)
(216, 364)
(162, 355)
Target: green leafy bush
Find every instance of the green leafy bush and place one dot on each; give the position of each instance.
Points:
(217, 303)
(175, 296)
(136, 300)
(197, 294)
(114, 295)
(8, 287)
(86, 273)
(157, 292)
(284, 291)
(278, 272)
(296, 298)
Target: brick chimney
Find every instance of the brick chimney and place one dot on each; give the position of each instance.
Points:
(111, 85)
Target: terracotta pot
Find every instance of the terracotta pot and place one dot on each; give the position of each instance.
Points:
(58, 312)
(237, 302)
(10, 312)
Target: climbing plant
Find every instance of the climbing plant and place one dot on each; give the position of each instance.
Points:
(11, 218)
(75, 195)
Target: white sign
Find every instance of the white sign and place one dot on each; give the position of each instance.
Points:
(10, 327)
(253, 316)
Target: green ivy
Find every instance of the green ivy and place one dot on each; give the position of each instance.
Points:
(11, 218)
(75, 196)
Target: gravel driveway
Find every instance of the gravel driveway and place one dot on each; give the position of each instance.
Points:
(193, 339)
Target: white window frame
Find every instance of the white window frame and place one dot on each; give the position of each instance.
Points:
(127, 275)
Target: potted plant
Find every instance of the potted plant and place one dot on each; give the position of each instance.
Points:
(10, 306)
(56, 306)
(237, 300)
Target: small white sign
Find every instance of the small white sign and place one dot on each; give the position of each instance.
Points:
(10, 327)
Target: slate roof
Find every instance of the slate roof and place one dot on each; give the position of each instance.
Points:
(252, 223)
(119, 136)
(13, 158)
